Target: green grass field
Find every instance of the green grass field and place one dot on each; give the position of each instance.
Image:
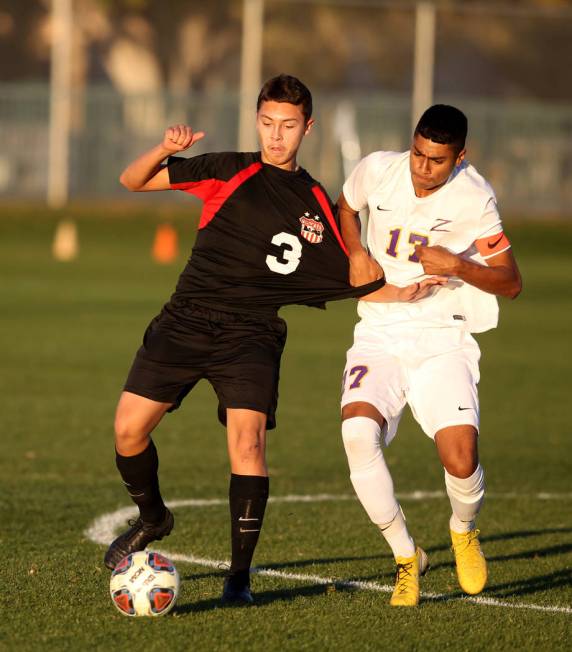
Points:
(67, 336)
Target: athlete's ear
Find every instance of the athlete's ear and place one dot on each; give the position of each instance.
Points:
(309, 126)
(460, 156)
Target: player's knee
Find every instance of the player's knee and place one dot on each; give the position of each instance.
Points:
(460, 456)
(362, 409)
(458, 449)
(461, 466)
(248, 445)
(128, 430)
(362, 441)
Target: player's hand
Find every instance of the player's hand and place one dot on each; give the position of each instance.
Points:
(437, 260)
(364, 269)
(424, 288)
(180, 137)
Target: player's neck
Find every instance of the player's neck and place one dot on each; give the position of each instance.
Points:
(288, 166)
(425, 192)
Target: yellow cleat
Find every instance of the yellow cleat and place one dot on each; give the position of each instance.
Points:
(471, 563)
(406, 592)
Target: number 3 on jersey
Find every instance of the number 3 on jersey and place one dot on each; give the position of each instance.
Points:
(290, 255)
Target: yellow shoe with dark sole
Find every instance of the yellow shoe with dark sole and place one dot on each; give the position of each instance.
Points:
(409, 569)
(470, 561)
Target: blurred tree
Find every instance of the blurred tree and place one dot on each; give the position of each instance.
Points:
(191, 44)
(21, 56)
(149, 45)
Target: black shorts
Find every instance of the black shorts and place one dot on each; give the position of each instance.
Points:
(239, 354)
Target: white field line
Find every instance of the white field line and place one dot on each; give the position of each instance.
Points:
(364, 586)
(102, 531)
(103, 528)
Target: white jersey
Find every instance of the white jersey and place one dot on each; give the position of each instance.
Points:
(457, 215)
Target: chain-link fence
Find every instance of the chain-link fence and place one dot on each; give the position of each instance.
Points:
(524, 149)
(505, 66)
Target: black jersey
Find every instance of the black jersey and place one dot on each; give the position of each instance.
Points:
(267, 237)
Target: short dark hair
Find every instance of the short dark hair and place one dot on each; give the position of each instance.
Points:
(285, 88)
(443, 124)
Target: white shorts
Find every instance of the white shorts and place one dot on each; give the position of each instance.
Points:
(434, 370)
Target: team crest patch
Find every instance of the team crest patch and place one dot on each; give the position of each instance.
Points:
(312, 228)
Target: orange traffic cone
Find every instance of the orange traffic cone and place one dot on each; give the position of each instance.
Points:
(65, 246)
(166, 244)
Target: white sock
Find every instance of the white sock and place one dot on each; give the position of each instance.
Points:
(373, 484)
(398, 537)
(466, 496)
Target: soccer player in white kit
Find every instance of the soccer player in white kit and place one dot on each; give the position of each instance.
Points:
(430, 213)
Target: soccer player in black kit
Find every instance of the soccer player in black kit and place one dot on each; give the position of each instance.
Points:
(267, 237)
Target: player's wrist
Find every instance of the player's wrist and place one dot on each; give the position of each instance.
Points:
(357, 253)
(460, 267)
(164, 151)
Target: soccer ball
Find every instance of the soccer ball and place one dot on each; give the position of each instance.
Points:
(144, 584)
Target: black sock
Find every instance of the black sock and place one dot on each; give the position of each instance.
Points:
(139, 474)
(247, 497)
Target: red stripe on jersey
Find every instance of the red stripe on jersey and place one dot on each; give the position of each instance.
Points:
(214, 203)
(201, 189)
(324, 203)
(215, 192)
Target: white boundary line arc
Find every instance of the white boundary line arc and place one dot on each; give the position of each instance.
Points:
(115, 518)
(102, 531)
(364, 586)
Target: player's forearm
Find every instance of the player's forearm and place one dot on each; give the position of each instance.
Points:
(350, 227)
(363, 269)
(387, 294)
(141, 170)
(351, 231)
(413, 292)
(501, 280)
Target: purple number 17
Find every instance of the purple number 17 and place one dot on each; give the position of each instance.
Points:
(417, 239)
(414, 239)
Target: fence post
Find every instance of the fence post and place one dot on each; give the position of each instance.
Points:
(250, 71)
(424, 59)
(60, 103)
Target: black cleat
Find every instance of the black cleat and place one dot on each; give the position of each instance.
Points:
(137, 537)
(237, 589)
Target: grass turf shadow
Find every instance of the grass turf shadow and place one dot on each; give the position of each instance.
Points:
(530, 585)
(262, 598)
(293, 565)
(533, 553)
